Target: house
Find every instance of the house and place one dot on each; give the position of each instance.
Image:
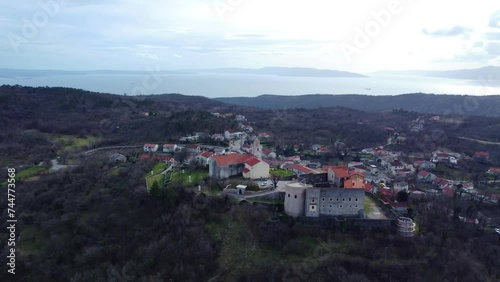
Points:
(240, 118)
(337, 174)
(217, 137)
(354, 184)
(296, 147)
(170, 148)
(424, 165)
(193, 149)
(494, 171)
(295, 159)
(264, 135)
(439, 156)
(203, 158)
(448, 191)
(400, 207)
(219, 150)
(150, 147)
(443, 184)
(225, 166)
(316, 147)
(425, 176)
(298, 169)
(269, 154)
(117, 157)
(482, 157)
(255, 169)
(395, 166)
(401, 186)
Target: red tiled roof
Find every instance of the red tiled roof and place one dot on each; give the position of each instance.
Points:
(252, 161)
(267, 151)
(149, 145)
(481, 154)
(368, 187)
(494, 169)
(340, 171)
(206, 154)
(192, 146)
(448, 191)
(246, 170)
(354, 184)
(396, 163)
(300, 168)
(226, 160)
(168, 145)
(423, 173)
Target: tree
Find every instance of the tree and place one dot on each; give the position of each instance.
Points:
(155, 189)
(402, 196)
(275, 178)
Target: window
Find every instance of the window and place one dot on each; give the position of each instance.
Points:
(343, 199)
(288, 195)
(356, 199)
(323, 199)
(349, 199)
(331, 206)
(337, 199)
(323, 206)
(341, 206)
(312, 208)
(356, 205)
(331, 199)
(313, 200)
(295, 196)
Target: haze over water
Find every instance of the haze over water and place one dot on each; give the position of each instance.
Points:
(250, 85)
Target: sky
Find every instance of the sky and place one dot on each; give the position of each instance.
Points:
(358, 36)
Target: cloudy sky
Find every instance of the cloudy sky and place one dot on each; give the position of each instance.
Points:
(360, 36)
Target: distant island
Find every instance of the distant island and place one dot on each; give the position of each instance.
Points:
(283, 71)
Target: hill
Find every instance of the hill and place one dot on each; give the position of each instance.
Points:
(421, 103)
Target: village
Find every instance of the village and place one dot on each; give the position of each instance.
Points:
(372, 183)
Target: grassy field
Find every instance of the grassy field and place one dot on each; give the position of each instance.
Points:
(69, 142)
(31, 172)
(32, 240)
(159, 167)
(157, 177)
(183, 177)
(282, 173)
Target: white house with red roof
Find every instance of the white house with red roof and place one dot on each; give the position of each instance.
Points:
(225, 166)
(169, 148)
(150, 147)
(203, 158)
(255, 169)
(494, 170)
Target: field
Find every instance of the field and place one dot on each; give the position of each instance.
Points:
(69, 142)
(157, 177)
(30, 172)
(183, 177)
(283, 173)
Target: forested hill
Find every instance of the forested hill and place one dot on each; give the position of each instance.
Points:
(421, 103)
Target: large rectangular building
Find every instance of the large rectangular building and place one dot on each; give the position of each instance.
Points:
(334, 202)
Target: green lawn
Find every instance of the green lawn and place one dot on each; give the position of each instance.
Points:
(32, 240)
(183, 177)
(159, 167)
(282, 173)
(70, 142)
(157, 177)
(30, 172)
(368, 205)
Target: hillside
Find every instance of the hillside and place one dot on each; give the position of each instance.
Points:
(421, 103)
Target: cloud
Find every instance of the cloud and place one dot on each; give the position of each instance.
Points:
(454, 31)
(495, 20)
(493, 35)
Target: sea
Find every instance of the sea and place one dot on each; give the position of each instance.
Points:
(214, 85)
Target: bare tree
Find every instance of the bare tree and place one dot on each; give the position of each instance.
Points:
(275, 178)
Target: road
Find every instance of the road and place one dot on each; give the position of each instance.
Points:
(90, 152)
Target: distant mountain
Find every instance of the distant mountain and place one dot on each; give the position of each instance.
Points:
(422, 103)
(27, 73)
(282, 71)
(485, 74)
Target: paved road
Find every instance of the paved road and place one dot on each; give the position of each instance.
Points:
(90, 152)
